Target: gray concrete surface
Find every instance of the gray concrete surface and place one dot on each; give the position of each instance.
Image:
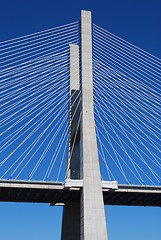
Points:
(93, 223)
(71, 222)
(71, 211)
(73, 158)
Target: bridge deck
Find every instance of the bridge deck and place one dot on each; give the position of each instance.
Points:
(57, 193)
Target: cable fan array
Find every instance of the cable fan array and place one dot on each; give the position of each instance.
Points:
(127, 107)
(34, 89)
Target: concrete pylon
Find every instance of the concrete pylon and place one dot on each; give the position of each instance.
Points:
(71, 212)
(73, 155)
(93, 223)
(85, 220)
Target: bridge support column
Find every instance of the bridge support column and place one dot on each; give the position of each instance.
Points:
(71, 212)
(71, 222)
(84, 221)
(93, 223)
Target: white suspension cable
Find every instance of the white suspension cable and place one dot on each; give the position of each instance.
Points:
(51, 37)
(103, 155)
(39, 46)
(12, 153)
(36, 66)
(143, 71)
(125, 161)
(56, 49)
(74, 140)
(32, 145)
(52, 162)
(34, 53)
(122, 81)
(136, 83)
(128, 94)
(124, 66)
(61, 163)
(138, 152)
(124, 48)
(53, 138)
(131, 46)
(32, 101)
(48, 105)
(7, 42)
(124, 133)
(131, 160)
(126, 104)
(124, 111)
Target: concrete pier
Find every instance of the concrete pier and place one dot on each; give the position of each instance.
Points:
(84, 220)
(93, 223)
(73, 158)
(71, 212)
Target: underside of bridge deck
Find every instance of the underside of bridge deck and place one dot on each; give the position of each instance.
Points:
(56, 193)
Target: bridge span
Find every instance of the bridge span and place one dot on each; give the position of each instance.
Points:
(60, 193)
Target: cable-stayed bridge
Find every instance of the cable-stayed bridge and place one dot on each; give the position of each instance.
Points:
(62, 109)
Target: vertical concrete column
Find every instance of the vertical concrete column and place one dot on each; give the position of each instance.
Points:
(71, 222)
(71, 212)
(73, 158)
(93, 223)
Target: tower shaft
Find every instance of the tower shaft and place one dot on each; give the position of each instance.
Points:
(93, 223)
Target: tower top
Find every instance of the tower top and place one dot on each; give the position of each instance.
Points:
(85, 12)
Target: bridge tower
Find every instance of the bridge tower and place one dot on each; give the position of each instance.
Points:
(86, 220)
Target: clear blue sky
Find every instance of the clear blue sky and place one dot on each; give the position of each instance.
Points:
(138, 22)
